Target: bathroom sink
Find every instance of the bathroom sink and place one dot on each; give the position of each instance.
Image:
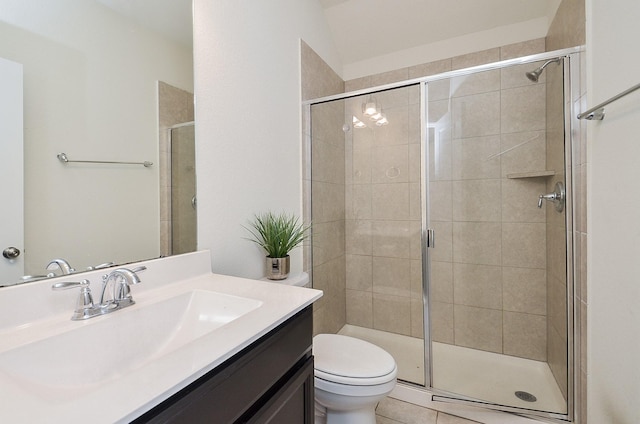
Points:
(105, 348)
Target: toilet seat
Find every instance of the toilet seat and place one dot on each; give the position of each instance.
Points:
(350, 361)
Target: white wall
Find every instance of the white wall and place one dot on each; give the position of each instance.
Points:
(90, 91)
(613, 65)
(247, 78)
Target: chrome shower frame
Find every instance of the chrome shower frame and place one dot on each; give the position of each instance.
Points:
(570, 58)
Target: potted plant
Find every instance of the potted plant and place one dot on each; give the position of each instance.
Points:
(277, 235)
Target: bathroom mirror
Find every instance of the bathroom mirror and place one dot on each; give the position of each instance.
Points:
(103, 80)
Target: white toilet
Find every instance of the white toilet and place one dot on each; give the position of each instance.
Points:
(351, 377)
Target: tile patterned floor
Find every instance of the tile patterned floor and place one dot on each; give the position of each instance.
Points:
(392, 411)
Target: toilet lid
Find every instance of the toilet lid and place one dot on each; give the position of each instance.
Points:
(343, 356)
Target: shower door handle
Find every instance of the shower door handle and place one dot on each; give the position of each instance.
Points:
(431, 238)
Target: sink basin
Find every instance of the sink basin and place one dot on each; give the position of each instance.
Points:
(107, 347)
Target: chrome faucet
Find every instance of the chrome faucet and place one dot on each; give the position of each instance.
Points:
(120, 280)
(61, 264)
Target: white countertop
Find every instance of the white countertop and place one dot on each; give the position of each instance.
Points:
(129, 395)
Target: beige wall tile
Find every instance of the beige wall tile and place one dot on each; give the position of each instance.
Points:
(417, 318)
(524, 245)
(358, 237)
(525, 290)
(415, 201)
(440, 201)
(478, 328)
(443, 250)
(415, 234)
(438, 90)
(476, 58)
(568, 26)
(392, 313)
(328, 241)
(477, 243)
(556, 251)
(523, 152)
(525, 336)
(442, 281)
(476, 115)
(557, 306)
(318, 79)
(519, 116)
(476, 158)
(328, 163)
(391, 239)
(360, 308)
(414, 95)
(415, 158)
(328, 202)
(431, 68)
(556, 357)
(390, 201)
(326, 122)
(476, 200)
(394, 133)
(520, 200)
(524, 48)
(361, 164)
(359, 203)
(357, 84)
(415, 129)
(480, 82)
(416, 278)
(330, 277)
(389, 77)
(477, 285)
(392, 276)
(395, 98)
(359, 272)
(390, 164)
(442, 322)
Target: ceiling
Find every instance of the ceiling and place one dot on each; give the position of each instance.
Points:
(364, 29)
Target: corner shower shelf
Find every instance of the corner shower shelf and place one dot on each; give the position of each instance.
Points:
(534, 174)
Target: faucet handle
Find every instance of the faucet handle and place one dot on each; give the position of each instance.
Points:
(66, 285)
(139, 269)
(84, 305)
(104, 265)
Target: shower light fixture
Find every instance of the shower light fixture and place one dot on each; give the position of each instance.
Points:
(382, 121)
(358, 123)
(370, 107)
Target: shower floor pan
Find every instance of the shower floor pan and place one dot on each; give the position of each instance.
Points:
(487, 376)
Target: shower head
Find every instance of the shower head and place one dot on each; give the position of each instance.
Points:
(535, 74)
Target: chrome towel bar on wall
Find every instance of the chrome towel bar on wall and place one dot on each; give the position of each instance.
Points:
(597, 112)
(64, 159)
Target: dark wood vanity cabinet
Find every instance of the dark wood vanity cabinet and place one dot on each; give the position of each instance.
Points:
(270, 381)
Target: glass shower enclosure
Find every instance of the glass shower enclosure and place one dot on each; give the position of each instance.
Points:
(441, 210)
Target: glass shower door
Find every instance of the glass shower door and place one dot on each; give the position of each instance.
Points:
(497, 272)
(183, 190)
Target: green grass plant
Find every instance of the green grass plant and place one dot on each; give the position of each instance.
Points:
(277, 234)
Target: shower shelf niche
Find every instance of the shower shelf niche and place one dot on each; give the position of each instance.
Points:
(533, 174)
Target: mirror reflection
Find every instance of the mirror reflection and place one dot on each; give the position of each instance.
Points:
(103, 80)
